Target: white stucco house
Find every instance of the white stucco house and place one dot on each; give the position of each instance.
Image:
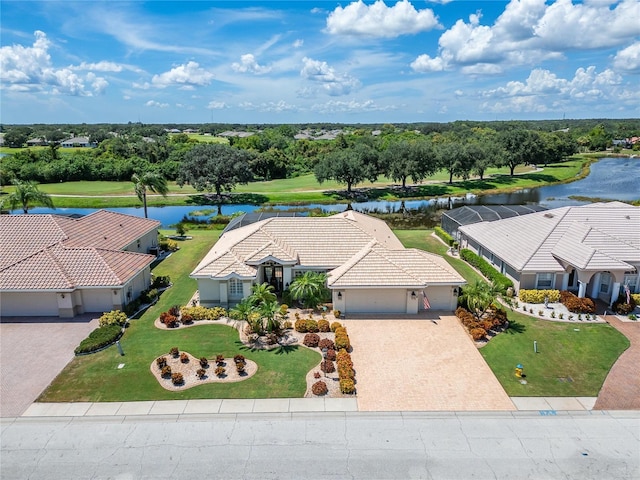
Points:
(593, 249)
(53, 265)
(369, 270)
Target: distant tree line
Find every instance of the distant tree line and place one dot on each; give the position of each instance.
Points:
(407, 154)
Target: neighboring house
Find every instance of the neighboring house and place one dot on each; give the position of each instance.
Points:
(593, 249)
(369, 270)
(469, 214)
(52, 265)
(37, 142)
(77, 142)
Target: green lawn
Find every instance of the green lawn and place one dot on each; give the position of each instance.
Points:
(305, 189)
(281, 373)
(569, 362)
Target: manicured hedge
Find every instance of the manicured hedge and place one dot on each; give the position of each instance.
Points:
(538, 296)
(448, 239)
(99, 338)
(575, 304)
(498, 279)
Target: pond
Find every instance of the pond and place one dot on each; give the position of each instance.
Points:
(610, 178)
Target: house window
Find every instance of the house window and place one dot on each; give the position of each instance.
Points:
(605, 281)
(544, 281)
(235, 287)
(298, 273)
(631, 280)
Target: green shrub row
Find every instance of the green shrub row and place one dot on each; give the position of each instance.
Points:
(498, 279)
(446, 238)
(203, 313)
(99, 338)
(114, 317)
(538, 296)
(346, 373)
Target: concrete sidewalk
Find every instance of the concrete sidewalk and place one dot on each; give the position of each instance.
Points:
(545, 405)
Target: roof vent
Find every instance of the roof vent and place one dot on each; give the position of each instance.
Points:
(627, 217)
(549, 215)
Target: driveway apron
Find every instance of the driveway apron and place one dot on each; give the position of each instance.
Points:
(621, 388)
(421, 364)
(33, 351)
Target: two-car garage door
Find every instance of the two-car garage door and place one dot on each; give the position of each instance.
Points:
(376, 300)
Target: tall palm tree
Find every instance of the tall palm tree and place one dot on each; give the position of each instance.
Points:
(26, 194)
(151, 181)
(269, 311)
(309, 288)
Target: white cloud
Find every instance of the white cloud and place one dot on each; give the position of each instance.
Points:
(529, 32)
(332, 83)
(298, 43)
(213, 105)
(105, 66)
(249, 64)
(379, 20)
(189, 73)
(30, 69)
(337, 106)
(153, 103)
(628, 59)
(276, 107)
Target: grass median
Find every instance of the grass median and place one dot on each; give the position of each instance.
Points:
(573, 358)
(97, 378)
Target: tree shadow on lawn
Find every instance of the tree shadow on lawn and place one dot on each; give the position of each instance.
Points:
(227, 199)
(366, 194)
(279, 350)
(515, 327)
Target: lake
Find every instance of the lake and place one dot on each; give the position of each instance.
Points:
(609, 178)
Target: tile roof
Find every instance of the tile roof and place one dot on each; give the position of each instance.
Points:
(598, 236)
(359, 249)
(53, 252)
(375, 266)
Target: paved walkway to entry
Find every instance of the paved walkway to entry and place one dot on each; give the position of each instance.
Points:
(621, 388)
(33, 351)
(421, 364)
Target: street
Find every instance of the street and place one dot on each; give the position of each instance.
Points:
(357, 445)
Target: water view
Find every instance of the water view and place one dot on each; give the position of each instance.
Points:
(609, 178)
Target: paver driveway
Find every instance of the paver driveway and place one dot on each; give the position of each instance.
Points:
(33, 352)
(421, 364)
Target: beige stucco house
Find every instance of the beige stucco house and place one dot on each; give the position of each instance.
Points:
(593, 249)
(369, 270)
(53, 265)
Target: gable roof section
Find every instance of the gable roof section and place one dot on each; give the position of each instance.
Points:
(52, 252)
(599, 236)
(320, 242)
(376, 266)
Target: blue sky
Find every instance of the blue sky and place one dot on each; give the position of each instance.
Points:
(317, 61)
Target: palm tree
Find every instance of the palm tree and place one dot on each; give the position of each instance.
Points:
(262, 293)
(151, 181)
(309, 288)
(25, 194)
(243, 310)
(479, 296)
(269, 311)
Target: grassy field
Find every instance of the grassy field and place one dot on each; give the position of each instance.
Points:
(281, 373)
(305, 189)
(569, 362)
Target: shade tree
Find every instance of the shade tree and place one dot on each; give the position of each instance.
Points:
(350, 165)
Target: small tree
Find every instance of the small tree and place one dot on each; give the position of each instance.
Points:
(309, 288)
(149, 181)
(479, 296)
(181, 229)
(26, 194)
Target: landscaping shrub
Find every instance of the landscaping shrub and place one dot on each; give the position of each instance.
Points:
(326, 343)
(201, 372)
(343, 355)
(538, 296)
(331, 355)
(336, 314)
(316, 375)
(204, 362)
(240, 366)
(161, 362)
(575, 304)
(99, 338)
(184, 358)
(219, 359)
(323, 325)
(168, 244)
(621, 307)
(446, 238)
(636, 297)
(327, 366)
(478, 333)
(312, 325)
(335, 325)
(311, 340)
(174, 310)
(174, 352)
(114, 317)
(148, 296)
(220, 371)
(166, 371)
(171, 321)
(238, 358)
(186, 319)
(319, 388)
(287, 325)
(161, 281)
(177, 378)
(347, 386)
(498, 279)
(301, 326)
(342, 341)
(204, 313)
